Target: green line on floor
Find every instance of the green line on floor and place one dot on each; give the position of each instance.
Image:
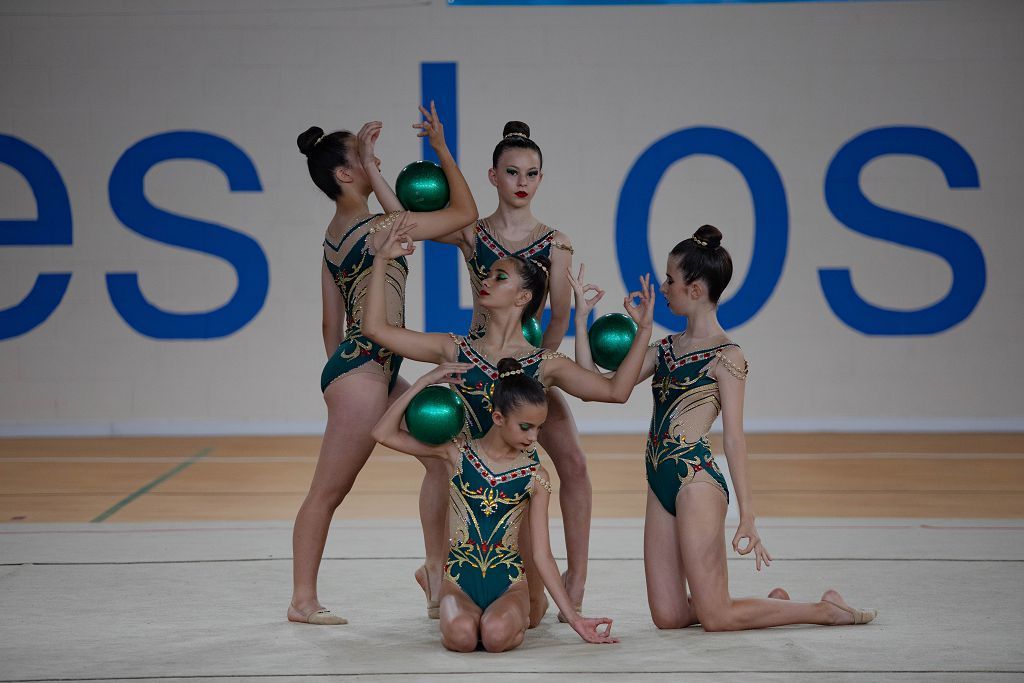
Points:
(149, 487)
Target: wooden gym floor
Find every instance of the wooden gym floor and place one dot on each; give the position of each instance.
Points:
(265, 478)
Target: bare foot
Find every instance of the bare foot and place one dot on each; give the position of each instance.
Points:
(779, 594)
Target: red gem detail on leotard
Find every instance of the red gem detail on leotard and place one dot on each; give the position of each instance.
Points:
(490, 478)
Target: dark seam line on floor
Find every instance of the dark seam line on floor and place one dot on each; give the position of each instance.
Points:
(402, 559)
(156, 482)
(521, 672)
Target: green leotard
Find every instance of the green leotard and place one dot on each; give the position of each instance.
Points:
(486, 509)
(477, 386)
(489, 248)
(686, 404)
(350, 264)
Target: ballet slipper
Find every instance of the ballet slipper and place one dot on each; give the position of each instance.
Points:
(579, 605)
(320, 617)
(433, 606)
(860, 616)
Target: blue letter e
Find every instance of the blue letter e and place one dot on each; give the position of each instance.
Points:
(51, 226)
(848, 203)
(128, 200)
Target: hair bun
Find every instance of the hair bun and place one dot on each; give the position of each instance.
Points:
(509, 365)
(710, 235)
(516, 128)
(308, 138)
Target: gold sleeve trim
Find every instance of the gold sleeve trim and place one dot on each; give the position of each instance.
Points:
(543, 482)
(733, 369)
(563, 246)
(385, 222)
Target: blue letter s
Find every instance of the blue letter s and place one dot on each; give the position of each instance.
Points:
(128, 200)
(849, 205)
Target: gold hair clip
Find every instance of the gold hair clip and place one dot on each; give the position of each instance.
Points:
(699, 241)
(539, 265)
(517, 135)
(319, 139)
(503, 375)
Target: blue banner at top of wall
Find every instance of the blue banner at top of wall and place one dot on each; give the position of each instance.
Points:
(611, 3)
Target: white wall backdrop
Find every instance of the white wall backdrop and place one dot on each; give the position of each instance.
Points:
(82, 83)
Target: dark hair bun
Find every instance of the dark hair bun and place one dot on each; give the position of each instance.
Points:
(516, 127)
(515, 389)
(308, 138)
(508, 365)
(709, 234)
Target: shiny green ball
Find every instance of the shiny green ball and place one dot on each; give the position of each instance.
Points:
(533, 332)
(422, 186)
(435, 415)
(611, 336)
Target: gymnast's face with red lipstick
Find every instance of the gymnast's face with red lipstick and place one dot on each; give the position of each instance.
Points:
(516, 176)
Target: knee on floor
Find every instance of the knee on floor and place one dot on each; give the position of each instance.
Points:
(717, 619)
(665, 619)
(460, 634)
(500, 633)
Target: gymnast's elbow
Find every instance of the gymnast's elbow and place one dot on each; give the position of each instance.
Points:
(379, 434)
(620, 396)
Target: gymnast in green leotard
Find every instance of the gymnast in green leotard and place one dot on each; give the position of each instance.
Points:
(512, 231)
(360, 377)
(511, 292)
(496, 482)
(698, 375)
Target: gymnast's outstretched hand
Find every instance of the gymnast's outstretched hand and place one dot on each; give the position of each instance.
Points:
(445, 373)
(431, 128)
(747, 530)
(367, 138)
(642, 313)
(580, 288)
(396, 241)
(589, 629)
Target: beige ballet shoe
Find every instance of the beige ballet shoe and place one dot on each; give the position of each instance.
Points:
(578, 606)
(860, 616)
(320, 617)
(433, 606)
